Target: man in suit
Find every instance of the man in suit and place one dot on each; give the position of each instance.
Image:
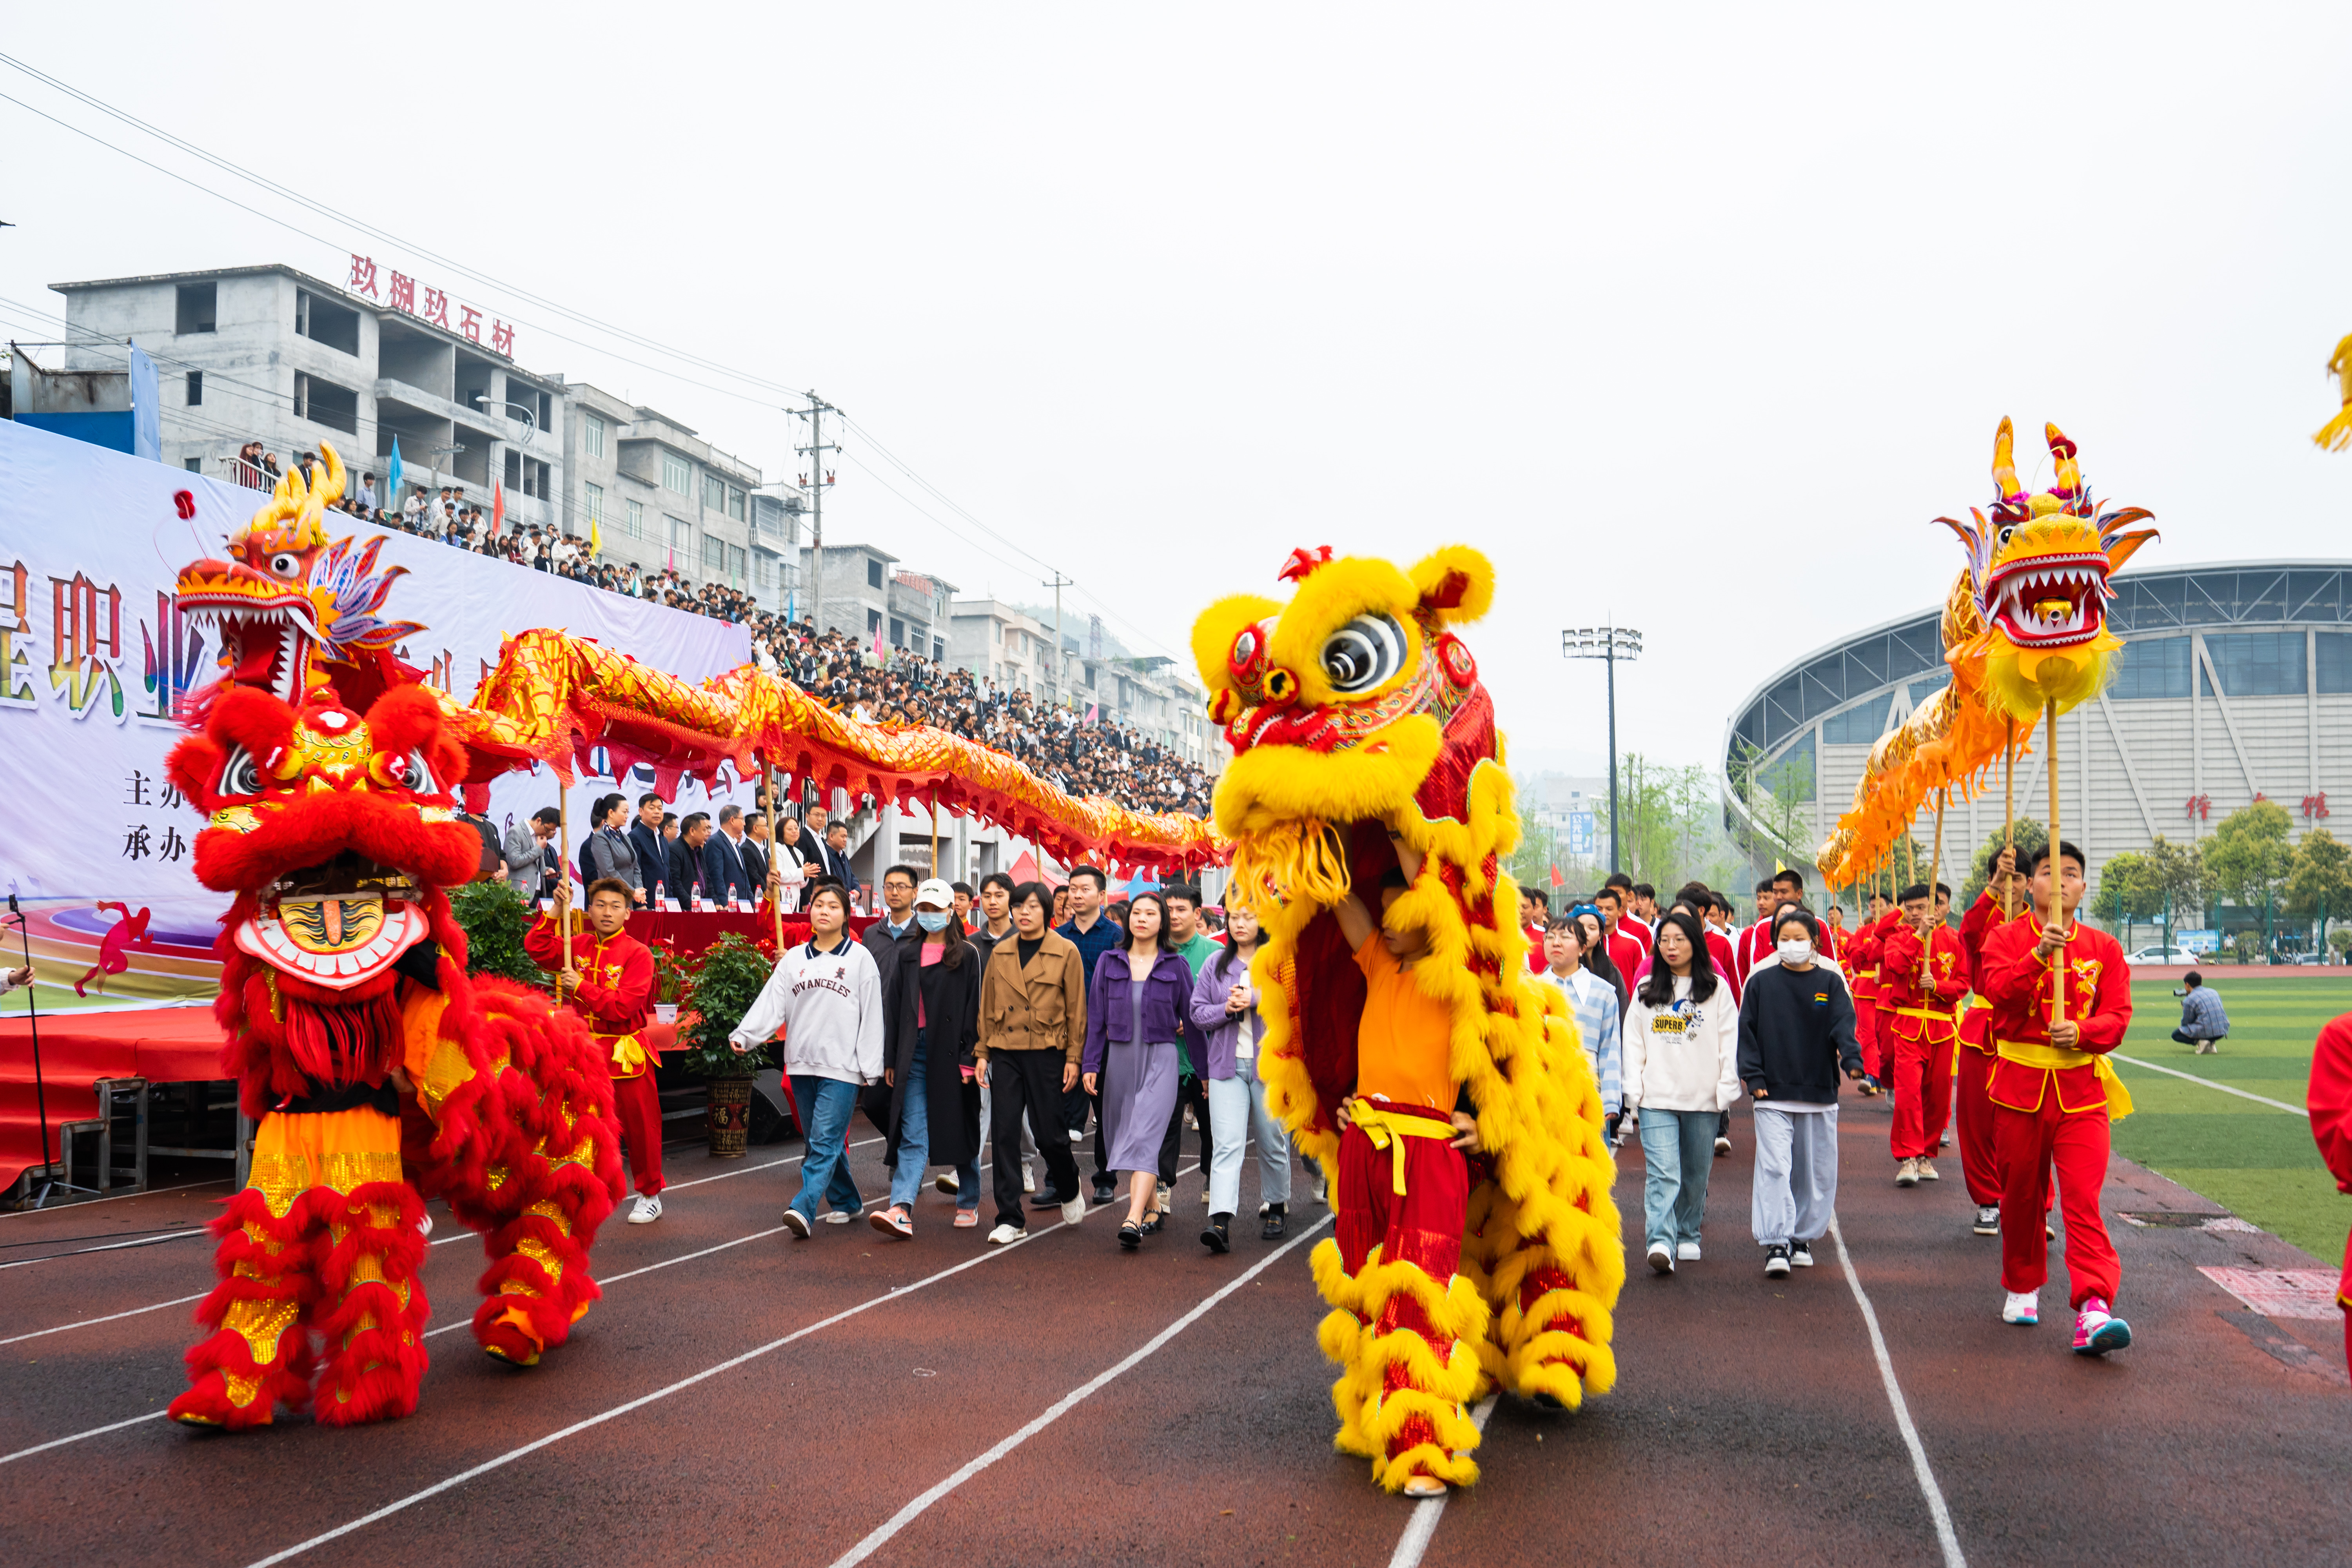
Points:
(645, 839)
(689, 876)
(722, 856)
(758, 849)
(836, 857)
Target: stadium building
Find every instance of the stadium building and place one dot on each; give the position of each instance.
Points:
(2236, 684)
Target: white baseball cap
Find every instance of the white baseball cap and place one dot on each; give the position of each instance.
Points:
(935, 893)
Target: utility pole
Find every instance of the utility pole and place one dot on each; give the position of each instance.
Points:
(1608, 644)
(816, 449)
(1058, 585)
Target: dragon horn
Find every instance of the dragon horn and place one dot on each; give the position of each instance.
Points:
(2004, 463)
(330, 489)
(2341, 360)
(2069, 483)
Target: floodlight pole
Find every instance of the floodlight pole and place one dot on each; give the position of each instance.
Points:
(1604, 643)
(1609, 662)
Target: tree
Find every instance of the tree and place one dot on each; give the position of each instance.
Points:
(2123, 890)
(1777, 795)
(2031, 835)
(2175, 880)
(1670, 825)
(2248, 856)
(2319, 881)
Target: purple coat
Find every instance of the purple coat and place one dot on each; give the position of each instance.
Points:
(1111, 1010)
(1216, 1030)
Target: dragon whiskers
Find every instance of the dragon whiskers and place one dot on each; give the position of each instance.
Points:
(1303, 858)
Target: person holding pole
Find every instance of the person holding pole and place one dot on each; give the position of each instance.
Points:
(1923, 972)
(607, 977)
(2061, 994)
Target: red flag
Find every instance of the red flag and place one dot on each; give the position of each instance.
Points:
(1557, 879)
(498, 508)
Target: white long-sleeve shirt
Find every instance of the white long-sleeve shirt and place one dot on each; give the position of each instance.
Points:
(1685, 1055)
(828, 1002)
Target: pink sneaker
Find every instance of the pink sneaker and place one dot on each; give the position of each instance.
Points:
(2098, 1331)
(892, 1221)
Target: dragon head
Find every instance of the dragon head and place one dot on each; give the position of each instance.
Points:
(1352, 704)
(335, 830)
(294, 610)
(2041, 563)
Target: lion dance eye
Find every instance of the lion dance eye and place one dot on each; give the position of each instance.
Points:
(410, 773)
(240, 774)
(1364, 653)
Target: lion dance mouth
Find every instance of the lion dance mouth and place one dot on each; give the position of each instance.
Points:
(1362, 737)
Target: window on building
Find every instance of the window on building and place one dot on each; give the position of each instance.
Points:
(1859, 726)
(323, 322)
(2332, 654)
(198, 308)
(195, 389)
(591, 433)
(593, 495)
(2257, 664)
(938, 651)
(324, 403)
(193, 465)
(714, 558)
(737, 566)
(636, 519)
(714, 492)
(874, 622)
(514, 471)
(538, 479)
(763, 571)
(2149, 667)
(677, 474)
(681, 537)
(997, 627)
(873, 572)
(735, 503)
(898, 639)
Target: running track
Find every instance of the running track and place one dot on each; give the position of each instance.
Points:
(1058, 1402)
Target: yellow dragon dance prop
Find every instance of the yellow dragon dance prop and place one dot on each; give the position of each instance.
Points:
(2335, 436)
(1355, 713)
(2024, 630)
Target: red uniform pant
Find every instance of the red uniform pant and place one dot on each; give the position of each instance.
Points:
(637, 1107)
(1422, 1225)
(1866, 1033)
(2027, 1143)
(1978, 1165)
(1922, 1066)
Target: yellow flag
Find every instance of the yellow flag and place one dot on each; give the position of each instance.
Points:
(1777, 866)
(595, 536)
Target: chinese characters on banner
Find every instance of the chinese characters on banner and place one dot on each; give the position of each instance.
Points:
(399, 294)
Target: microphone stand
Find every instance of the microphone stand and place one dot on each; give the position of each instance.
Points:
(54, 1178)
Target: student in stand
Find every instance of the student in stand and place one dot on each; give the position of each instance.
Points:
(1593, 1003)
(1796, 1034)
(1032, 1027)
(826, 996)
(1682, 1038)
(1138, 1013)
(931, 1021)
(2054, 1094)
(1226, 1024)
(994, 908)
(611, 986)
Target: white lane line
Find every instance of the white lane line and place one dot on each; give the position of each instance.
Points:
(1937, 1509)
(93, 1431)
(110, 1317)
(110, 1246)
(2208, 1083)
(1421, 1526)
(895, 1293)
(907, 1515)
(118, 1198)
(631, 1274)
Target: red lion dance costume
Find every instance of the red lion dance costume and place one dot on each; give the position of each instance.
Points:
(381, 1073)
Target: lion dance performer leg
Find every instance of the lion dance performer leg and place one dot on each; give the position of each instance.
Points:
(380, 1074)
(1366, 757)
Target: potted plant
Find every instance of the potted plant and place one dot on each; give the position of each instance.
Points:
(719, 991)
(493, 916)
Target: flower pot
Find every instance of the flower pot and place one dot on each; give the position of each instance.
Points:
(729, 1117)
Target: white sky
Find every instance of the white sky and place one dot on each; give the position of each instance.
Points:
(1693, 321)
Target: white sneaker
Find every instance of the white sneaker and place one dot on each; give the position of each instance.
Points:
(1927, 1171)
(1662, 1257)
(1687, 1252)
(797, 1223)
(948, 1183)
(1080, 1137)
(1801, 1253)
(1004, 1236)
(2022, 1307)
(1028, 1180)
(839, 1216)
(646, 1210)
(1073, 1211)
(424, 1226)
(1906, 1174)
(1423, 1486)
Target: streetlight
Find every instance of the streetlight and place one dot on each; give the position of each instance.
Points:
(1607, 644)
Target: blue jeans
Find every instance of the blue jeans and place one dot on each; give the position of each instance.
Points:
(915, 1139)
(825, 1106)
(1677, 1156)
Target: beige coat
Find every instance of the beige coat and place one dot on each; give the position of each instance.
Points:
(1040, 1008)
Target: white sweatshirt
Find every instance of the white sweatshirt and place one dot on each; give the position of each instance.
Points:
(829, 1006)
(1683, 1055)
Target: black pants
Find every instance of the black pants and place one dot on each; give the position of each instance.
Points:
(2184, 1038)
(1021, 1082)
(1189, 1091)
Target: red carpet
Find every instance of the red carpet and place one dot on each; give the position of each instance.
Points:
(161, 1044)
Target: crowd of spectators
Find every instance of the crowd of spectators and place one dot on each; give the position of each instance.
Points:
(1058, 744)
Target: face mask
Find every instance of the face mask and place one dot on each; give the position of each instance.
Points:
(1796, 950)
(932, 920)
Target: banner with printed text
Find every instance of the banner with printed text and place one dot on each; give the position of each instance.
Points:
(93, 658)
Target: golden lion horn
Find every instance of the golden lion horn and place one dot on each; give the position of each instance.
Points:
(2004, 461)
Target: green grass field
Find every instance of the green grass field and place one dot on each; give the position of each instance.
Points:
(2253, 1160)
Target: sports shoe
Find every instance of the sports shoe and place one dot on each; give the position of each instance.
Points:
(2022, 1307)
(1722, 1147)
(1988, 1220)
(646, 1209)
(1662, 1257)
(892, 1221)
(1073, 1211)
(1006, 1234)
(1870, 1084)
(1423, 1486)
(839, 1216)
(1163, 1198)
(948, 1183)
(1687, 1252)
(1105, 1191)
(1801, 1253)
(1028, 1180)
(797, 1223)
(1775, 1262)
(424, 1226)
(2098, 1331)
(966, 1219)
(1906, 1174)
(1079, 1136)
(1927, 1171)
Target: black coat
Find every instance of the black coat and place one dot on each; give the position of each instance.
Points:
(950, 1001)
(687, 876)
(653, 860)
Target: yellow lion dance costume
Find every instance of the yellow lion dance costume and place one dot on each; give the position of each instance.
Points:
(1358, 725)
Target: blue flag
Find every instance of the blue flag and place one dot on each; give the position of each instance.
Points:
(392, 480)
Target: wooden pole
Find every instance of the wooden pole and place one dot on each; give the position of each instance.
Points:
(775, 847)
(935, 829)
(1935, 867)
(2057, 871)
(563, 871)
(2009, 810)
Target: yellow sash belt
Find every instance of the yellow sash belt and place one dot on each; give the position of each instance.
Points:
(1930, 1013)
(2057, 1058)
(1975, 1002)
(1389, 1130)
(629, 1057)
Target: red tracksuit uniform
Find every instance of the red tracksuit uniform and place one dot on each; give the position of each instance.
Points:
(2053, 1108)
(1918, 988)
(1862, 958)
(1978, 1167)
(615, 997)
(2330, 1102)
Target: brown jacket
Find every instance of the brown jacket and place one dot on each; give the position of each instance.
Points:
(1040, 1008)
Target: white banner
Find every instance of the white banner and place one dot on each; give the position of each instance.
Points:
(93, 655)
